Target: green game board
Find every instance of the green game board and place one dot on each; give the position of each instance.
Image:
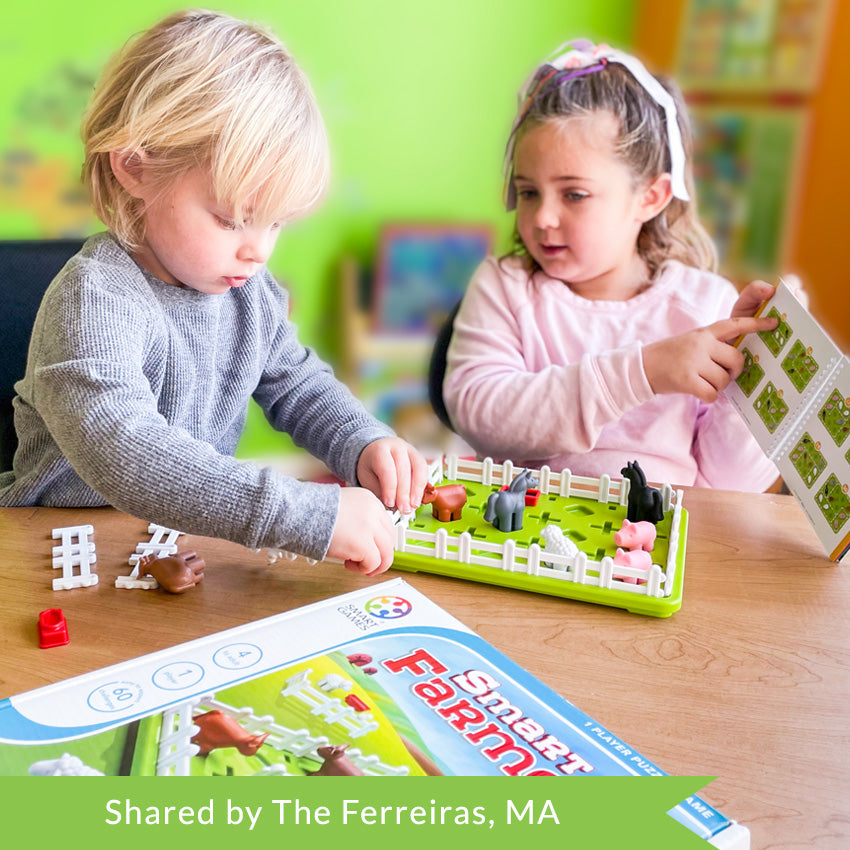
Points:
(588, 523)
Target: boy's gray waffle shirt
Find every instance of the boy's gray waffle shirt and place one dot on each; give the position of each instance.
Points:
(136, 393)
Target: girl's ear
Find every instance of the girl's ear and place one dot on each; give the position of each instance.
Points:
(655, 197)
(129, 170)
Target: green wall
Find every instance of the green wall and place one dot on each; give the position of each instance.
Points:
(418, 99)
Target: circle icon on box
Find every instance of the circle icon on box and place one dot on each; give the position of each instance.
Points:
(237, 656)
(178, 675)
(114, 696)
(388, 607)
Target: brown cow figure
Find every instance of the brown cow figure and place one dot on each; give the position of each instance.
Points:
(175, 573)
(217, 729)
(446, 502)
(335, 762)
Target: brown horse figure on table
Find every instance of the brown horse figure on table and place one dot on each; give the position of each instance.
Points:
(505, 507)
(645, 503)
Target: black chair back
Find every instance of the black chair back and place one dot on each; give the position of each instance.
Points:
(26, 269)
(437, 368)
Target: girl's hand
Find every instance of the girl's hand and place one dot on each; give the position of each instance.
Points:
(751, 298)
(395, 472)
(363, 535)
(701, 362)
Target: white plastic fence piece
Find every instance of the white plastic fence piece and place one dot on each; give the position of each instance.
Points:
(400, 538)
(435, 471)
(544, 476)
(625, 486)
(653, 582)
(580, 569)
(507, 473)
(566, 481)
(330, 709)
(666, 497)
(175, 740)
(451, 467)
(464, 547)
(277, 769)
(440, 543)
(155, 546)
(604, 487)
(606, 572)
(487, 471)
(509, 556)
(75, 550)
(533, 563)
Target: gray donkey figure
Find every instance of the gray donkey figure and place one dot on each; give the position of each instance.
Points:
(505, 507)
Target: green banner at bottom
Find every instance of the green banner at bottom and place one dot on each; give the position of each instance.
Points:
(604, 812)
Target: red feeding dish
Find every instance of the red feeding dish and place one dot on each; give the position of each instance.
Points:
(52, 628)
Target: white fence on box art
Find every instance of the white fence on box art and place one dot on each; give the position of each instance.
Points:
(509, 557)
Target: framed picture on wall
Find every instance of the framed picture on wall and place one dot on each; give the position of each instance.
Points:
(423, 271)
(762, 46)
(747, 172)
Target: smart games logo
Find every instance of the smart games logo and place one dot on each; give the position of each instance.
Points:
(388, 607)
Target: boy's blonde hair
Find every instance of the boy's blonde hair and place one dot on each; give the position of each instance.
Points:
(642, 144)
(203, 90)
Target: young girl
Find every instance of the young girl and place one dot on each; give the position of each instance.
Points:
(203, 140)
(603, 337)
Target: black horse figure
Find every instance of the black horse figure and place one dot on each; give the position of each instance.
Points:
(504, 508)
(645, 503)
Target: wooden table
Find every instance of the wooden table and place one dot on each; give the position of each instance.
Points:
(749, 681)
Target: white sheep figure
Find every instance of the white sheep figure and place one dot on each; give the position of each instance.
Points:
(65, 765)
(558, 543)
(333, 682)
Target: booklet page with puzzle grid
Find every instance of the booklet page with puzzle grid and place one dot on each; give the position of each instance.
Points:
(380, 681)
(794, 394)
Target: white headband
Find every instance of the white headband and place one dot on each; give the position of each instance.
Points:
(584, 57)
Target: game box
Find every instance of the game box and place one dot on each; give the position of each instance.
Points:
(376, 682)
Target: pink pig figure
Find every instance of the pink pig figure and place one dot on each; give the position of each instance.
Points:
(636, 535)
(636, 559)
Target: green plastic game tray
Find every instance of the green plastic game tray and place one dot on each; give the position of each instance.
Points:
(587, 510)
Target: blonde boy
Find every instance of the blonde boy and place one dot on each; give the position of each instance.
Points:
(203, 139)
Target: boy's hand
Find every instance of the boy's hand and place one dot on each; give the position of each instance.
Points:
(363, 534)
(701, 362)
(395, 472)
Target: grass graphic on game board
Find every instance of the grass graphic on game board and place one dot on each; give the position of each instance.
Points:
(835, 415)
(588, 523)
(833, 501)
(770, 407)
(752, 374)
(807, 459)
(775, 340)
(800, 366)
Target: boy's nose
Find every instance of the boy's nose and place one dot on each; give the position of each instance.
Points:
(256, 248)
